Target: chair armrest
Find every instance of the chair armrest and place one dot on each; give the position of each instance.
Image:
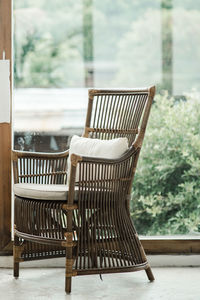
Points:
(23, 154)
(131, 151)
(91, 165)
(102, 176)
(43, 168)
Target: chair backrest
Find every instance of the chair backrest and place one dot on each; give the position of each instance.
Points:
(118, 113)
(111, 114)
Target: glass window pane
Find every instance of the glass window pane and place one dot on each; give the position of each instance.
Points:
(186, 49)
(61, 48)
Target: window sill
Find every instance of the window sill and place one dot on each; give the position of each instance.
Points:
(177, 244)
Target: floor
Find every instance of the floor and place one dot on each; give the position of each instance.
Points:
(41, 284)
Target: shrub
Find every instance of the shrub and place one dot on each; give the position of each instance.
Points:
(166, 188)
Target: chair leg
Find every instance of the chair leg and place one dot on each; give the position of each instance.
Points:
(15, 257)
(68, 284)
(148, 269)
(149, 274)
(69, 262)
(16, 270)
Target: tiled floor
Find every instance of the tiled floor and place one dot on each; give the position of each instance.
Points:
(42, 284)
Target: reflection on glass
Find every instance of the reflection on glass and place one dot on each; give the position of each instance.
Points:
(186, 50)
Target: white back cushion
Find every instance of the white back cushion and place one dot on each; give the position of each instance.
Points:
(96, 148)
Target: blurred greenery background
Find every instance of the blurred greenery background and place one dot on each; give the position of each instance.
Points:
(86, 43)
(166, 188)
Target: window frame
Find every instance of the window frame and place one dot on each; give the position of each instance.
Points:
(5, 133)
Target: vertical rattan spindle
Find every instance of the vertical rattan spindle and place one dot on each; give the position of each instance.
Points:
(69, 233)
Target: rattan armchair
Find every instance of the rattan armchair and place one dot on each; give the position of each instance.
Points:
(90, 224)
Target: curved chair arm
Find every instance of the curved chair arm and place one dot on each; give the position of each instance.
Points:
(102, 175)
(43, 168)
(130, 155)
(26, 154)
(130, 152)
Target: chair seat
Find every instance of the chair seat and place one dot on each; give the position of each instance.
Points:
(55, 192)
(41, 191)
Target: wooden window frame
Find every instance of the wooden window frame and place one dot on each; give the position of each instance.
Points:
(152, 245)
(5, 133)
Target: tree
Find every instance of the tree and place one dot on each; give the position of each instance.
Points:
(166, 188)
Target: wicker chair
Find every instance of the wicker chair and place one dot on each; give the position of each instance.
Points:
(90, 223)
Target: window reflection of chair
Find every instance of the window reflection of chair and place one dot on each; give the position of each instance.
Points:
(88, 222)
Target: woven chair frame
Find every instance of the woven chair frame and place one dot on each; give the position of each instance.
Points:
(93, 227)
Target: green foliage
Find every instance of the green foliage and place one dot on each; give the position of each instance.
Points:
(168, 4)
(167, 57)
(48, 44)
(128, 43)
(166, 189)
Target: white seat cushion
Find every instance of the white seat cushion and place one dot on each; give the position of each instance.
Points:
(41, 191)
(52, 192)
